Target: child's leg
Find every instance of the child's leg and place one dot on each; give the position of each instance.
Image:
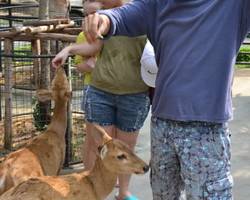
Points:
(90, 146)
(165, 177)
(129, 138)
(99, 110)
(131, 112)
(89, 150)
(204, 152)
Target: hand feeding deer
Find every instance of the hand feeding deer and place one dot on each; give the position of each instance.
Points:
(45, 154)
(96, 184)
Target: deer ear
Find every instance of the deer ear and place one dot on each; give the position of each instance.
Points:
(44, 95)
(100, 135)
(69, 96)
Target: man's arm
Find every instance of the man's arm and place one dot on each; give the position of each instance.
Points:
(129, 20)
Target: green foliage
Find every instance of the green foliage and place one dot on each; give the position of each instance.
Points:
(4, 22)
(26, 48)
(23, 50)
(37, 116)
(244, 57)
(241, 66)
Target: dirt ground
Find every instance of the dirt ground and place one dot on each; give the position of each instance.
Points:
(24, 131)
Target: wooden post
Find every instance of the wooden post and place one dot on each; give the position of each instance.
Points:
(18, 29)
(71, 31)
(68, 135)
(58, 9)
(47, 22)
(35, 48)
(45, 47)
(41, 36)
(8, 95)
(45, 107)
(40, 29)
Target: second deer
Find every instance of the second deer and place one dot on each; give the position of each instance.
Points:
(115, 157)
(45, 154)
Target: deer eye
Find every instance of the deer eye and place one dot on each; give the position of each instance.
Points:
(121, 157)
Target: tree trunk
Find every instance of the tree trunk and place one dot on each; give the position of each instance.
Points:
(35, 47)
(58, 9)
(69, 135)
(44, 83)
(8, 95)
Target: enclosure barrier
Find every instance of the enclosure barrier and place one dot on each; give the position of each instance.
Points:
(60, 30)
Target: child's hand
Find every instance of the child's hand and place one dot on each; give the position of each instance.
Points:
(91, 62)
(60, 58)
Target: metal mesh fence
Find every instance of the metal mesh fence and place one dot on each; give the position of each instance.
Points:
(30, 117)
(20, 77)
(13, 14)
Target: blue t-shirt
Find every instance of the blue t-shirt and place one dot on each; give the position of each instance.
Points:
(196, 44)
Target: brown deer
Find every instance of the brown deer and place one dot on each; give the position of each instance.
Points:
(44, 155)
(96, 184)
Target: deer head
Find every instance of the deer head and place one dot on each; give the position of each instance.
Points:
(116, 155)
(60, 80)
(59, 88)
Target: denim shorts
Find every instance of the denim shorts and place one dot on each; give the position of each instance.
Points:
(85, 87)
(126, 112)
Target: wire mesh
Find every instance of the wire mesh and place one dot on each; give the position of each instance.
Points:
(14, 14)
(28, 116)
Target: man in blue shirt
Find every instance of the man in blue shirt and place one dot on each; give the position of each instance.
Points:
(196, 44)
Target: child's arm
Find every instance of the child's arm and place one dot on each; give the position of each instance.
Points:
(83, 49)
(87, 65)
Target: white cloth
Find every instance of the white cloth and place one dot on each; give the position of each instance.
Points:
(149, 67)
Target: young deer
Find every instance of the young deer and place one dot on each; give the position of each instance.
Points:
(96, 184)
(45, 154)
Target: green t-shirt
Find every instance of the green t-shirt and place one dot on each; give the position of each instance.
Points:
(118, 68)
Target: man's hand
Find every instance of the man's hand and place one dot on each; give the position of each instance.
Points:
(95, 25)
(60, 58)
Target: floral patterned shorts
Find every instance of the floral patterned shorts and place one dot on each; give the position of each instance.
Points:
(191, 156)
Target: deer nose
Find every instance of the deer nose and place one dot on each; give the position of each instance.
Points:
(145, 169)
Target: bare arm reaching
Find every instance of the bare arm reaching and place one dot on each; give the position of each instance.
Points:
(78, 49)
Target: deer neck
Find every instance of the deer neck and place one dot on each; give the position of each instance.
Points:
(59, 119)
(103, 180)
